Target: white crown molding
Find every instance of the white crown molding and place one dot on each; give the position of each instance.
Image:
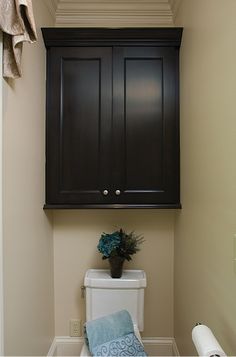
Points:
(174, 5)
(113, 20)
(113, 13)
(52, 7)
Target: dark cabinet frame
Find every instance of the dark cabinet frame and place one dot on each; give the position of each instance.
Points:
(124, 44)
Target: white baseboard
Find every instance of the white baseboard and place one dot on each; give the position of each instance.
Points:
(53, 349)
(154, 346)
(160, 346)
(66, 346)
(175, 349)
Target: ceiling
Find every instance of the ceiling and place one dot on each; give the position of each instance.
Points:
(113, 13)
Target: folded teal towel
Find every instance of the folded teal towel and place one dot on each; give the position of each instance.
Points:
(113, 335)
(128, 345)
(108, 328)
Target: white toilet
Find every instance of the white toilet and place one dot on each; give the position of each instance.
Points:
(105, 295)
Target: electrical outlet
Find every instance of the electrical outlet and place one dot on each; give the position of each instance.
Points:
(75, 328)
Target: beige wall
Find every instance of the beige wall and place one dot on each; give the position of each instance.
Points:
(205, 281)
(76, 235)
(28, 243)
(205, 277)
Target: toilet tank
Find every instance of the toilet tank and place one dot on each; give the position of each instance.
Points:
(106, 295)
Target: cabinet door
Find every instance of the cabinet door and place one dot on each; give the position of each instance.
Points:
(78, 125)
(145, 128)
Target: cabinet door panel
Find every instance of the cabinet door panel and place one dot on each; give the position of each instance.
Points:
(145, 125)
(143, 101)
(78, 145)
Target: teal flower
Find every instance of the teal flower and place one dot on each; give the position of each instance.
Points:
(108, 243)
(119, 243)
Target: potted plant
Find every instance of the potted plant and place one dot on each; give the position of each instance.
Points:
(118, 246)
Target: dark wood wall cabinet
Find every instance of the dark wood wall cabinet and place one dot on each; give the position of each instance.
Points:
(112, 137)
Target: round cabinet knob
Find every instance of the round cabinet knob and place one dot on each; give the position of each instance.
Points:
(105, 192)
(117, 192)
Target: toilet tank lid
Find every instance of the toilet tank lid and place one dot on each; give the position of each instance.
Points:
(100, 278)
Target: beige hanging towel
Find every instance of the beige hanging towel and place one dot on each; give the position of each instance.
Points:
(18, 26)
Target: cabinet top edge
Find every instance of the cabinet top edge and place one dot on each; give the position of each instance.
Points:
(112, 206)
(58, 36)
